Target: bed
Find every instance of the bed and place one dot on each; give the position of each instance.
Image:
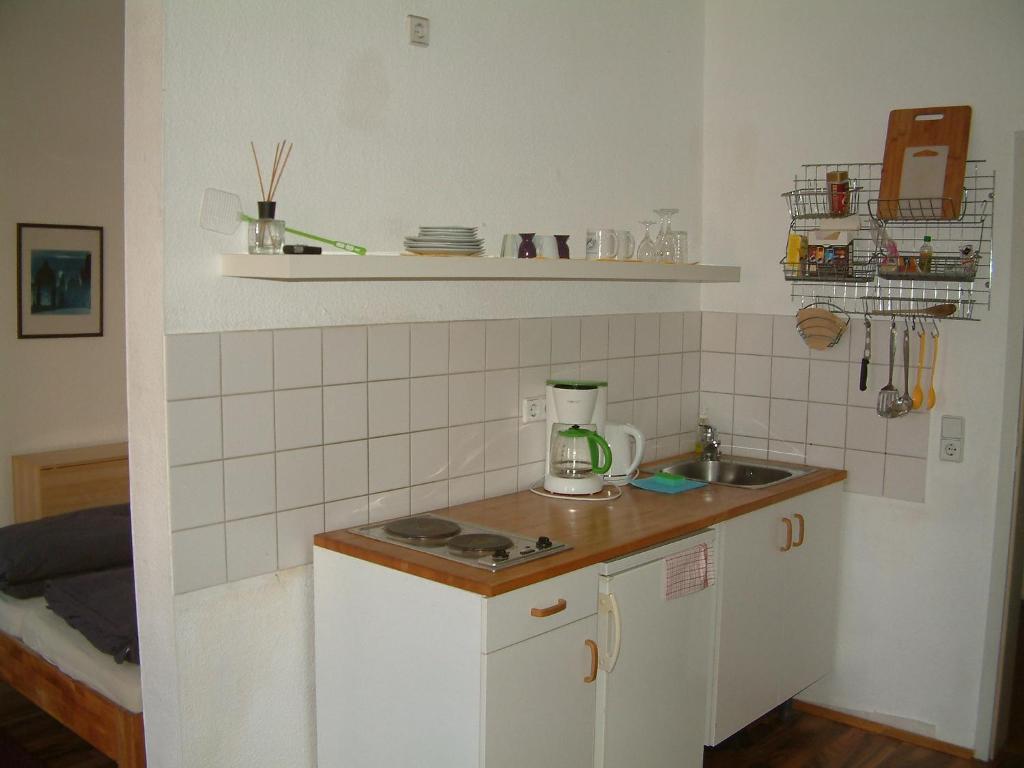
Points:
(42, 657)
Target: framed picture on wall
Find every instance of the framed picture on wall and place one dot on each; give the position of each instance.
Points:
(60, 281)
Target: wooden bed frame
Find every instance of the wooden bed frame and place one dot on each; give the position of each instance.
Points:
(48, 484)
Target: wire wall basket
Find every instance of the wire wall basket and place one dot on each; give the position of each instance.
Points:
(857, 267)
(817, 202)
(879, 278)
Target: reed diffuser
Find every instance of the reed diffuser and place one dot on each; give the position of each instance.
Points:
(266, 234)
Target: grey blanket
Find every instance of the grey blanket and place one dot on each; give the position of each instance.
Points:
(100, 605)
(76, 542)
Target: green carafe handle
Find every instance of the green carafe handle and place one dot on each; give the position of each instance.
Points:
(596, 441)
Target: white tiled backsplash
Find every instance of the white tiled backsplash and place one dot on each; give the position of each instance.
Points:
(277, 435)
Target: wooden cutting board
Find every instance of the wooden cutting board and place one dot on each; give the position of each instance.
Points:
(925, 157)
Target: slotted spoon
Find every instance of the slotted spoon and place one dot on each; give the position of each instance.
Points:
(904, 402)
(888, 395)
(222, 212)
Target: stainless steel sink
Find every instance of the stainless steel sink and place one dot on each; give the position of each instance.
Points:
(738, 474)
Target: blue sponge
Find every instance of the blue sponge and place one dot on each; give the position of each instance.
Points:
(665, 483)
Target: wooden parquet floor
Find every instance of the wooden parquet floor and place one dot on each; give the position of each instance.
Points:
(42, 737)
(787, 738)
(783, 738)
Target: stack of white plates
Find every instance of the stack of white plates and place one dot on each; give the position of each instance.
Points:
(446, 241)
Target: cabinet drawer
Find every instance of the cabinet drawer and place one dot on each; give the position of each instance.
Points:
(526, 612)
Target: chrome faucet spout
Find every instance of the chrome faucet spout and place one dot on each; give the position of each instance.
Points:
(709, 443)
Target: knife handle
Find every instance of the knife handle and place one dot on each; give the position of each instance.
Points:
(863, 374)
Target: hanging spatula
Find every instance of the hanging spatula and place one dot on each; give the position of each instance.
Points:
(222, 212)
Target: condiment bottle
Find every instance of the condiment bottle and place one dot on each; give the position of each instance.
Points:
(924, 261)
(838, 192)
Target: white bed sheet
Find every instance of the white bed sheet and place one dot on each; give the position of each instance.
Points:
(13, 612)
(66, 648)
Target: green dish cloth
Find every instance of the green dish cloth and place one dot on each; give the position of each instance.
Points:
(663, 483)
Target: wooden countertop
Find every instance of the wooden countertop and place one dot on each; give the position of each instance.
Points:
(596, 531)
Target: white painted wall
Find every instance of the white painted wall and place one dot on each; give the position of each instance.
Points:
(525, 116)
(519, 116)
(389, 137)
(247, 652)
(147, 416)
(791, 82)
(61, 133)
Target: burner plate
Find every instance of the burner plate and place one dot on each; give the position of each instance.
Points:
(423, 529)
(478, 544)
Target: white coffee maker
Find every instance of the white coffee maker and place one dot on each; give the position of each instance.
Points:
(577, 454)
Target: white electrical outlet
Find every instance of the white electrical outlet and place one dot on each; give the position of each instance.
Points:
(419, 30)
(951, 439)
(951, 449)
(534, 409)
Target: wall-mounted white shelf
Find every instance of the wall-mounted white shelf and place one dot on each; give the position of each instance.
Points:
(347, 266)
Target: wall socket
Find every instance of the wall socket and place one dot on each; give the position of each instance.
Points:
(534, 409)
(951, 449)
(951, 440)
(419, 30)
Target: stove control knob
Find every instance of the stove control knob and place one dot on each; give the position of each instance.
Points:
(543, 542)
(500, 554)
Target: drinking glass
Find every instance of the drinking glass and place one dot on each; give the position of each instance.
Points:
(646, 250)
(677, 247)
(627, 246)
(661, 244)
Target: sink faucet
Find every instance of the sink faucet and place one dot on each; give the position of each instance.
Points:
(709, 443)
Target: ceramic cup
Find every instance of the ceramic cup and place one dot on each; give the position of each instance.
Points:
(627, 245)
(547, 247)
(602, 243)
(510, 246)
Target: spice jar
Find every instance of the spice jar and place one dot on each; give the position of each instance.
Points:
(838, 192)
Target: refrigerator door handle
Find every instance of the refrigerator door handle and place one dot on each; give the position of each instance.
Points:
(608, 606)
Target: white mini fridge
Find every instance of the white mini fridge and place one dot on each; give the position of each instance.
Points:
(655, 626)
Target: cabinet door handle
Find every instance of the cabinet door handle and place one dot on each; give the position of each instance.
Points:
(593, 661)
(607, 604)
(789, 534)
(800, 540)
(558, 607)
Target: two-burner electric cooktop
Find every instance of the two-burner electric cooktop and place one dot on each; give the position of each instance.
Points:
(461, 542)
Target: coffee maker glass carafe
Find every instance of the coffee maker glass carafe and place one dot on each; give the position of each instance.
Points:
(577, 453)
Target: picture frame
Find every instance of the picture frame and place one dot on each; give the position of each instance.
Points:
(60, 281)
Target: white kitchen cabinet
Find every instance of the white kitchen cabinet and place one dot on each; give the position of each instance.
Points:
(539, 709)
(410, 671)
(777, 585)
(810, 587)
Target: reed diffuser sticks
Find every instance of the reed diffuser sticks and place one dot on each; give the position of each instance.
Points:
(282, 151)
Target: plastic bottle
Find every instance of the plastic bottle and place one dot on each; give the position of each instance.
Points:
(924, 261)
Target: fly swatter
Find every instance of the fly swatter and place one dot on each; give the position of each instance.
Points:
(222, 212)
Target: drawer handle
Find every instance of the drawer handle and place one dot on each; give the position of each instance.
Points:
(593, 661)
(541, 613)
(799, 542)
(789, 534)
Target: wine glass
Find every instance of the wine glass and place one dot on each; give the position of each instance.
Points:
(646, 250)
(662, 246)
